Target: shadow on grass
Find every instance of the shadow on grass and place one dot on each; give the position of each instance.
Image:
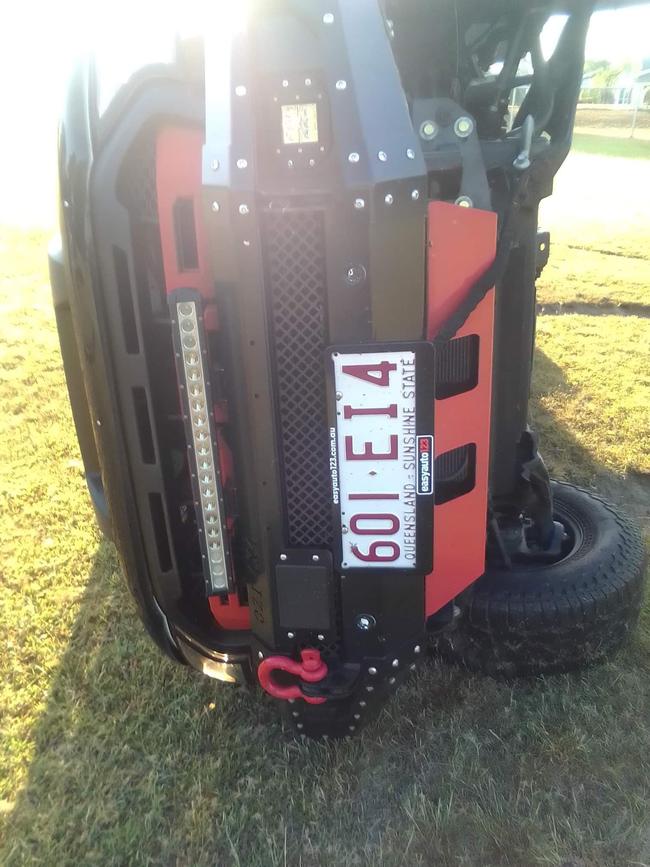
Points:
(139, 761)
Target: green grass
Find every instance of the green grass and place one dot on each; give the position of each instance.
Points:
(111, 755)
(611, 146)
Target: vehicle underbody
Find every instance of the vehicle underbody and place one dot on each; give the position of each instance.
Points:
(296, 299)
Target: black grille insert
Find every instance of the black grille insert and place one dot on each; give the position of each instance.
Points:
(295, 274)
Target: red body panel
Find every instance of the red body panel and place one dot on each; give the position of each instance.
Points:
(178, 176)
(461, 245)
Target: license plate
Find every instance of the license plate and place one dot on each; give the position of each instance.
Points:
(381, 456)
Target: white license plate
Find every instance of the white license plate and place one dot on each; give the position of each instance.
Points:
(381, 460)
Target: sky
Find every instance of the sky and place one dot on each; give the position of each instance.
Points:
(40, 38)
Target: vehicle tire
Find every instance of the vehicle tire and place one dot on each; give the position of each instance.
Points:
(551, 617)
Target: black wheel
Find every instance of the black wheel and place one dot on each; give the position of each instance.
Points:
(550, 617)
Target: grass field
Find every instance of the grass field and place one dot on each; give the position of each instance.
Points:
(110, 755)
(620, 145)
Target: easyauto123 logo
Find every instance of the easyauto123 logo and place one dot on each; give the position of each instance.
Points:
(425, 465)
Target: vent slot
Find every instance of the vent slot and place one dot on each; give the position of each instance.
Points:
(143, 422)
(125, 297)
(160, 532)
(187, 254)
(455, 473)
(295, 276)
(457, 366)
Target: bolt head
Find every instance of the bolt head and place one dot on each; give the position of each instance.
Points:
(299, 726)
(410, 153)
(366, 622)
(372, 670)
(328, 18)
(391, 680)
(320, 636)
(395, 663)
(315, 558)
(285, 83)
(370, 689)
(464, 202)
(415, 195)
(244, 210)
(341, 84)
(353, 157)
(352, 728)
(290, 635)
(283, 557)
(294, 713)
(362, 704)
(215, 165)
(240, 90)
(388, 198)
(428, 130)
(260, 655)
(357, 716)
(464, 127)
(308, 82)
(382, 156)
(417, 649)
(216, 207)
(359, 204)
(242, 163)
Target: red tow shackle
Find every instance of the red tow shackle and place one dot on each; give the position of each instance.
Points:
(311, 670)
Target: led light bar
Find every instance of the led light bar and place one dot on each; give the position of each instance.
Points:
(201, 442)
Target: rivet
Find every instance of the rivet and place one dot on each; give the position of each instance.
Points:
(388, 198)
(415, 195)
(294, 713)
(353, 157)
(412, 666)
(285, 83)
(320, 636)
(312, 163)
(246, 243)
(370, 689)
(328, 18)
(240, 90)
(359, 204)
(464, 127)
(395, 663)
(243, 210)
(299, 726)
(315, 558)
(242, 163)
(391, 680)
(292, 701)
(290, 163)
(283, 556)
(428, 130)
(410, 153)
(372, 670)
(464, 202)
(290, 635)
(308, 82)
(216, 207)
(215, 165)
(352, 728)
(260, 655)
(357, 716)
(66, 203)
(341, 84)
(417, 649)
(382, 156)
(362, 704)
(339, 395)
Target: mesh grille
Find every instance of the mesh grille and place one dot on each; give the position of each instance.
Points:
(295, 262)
